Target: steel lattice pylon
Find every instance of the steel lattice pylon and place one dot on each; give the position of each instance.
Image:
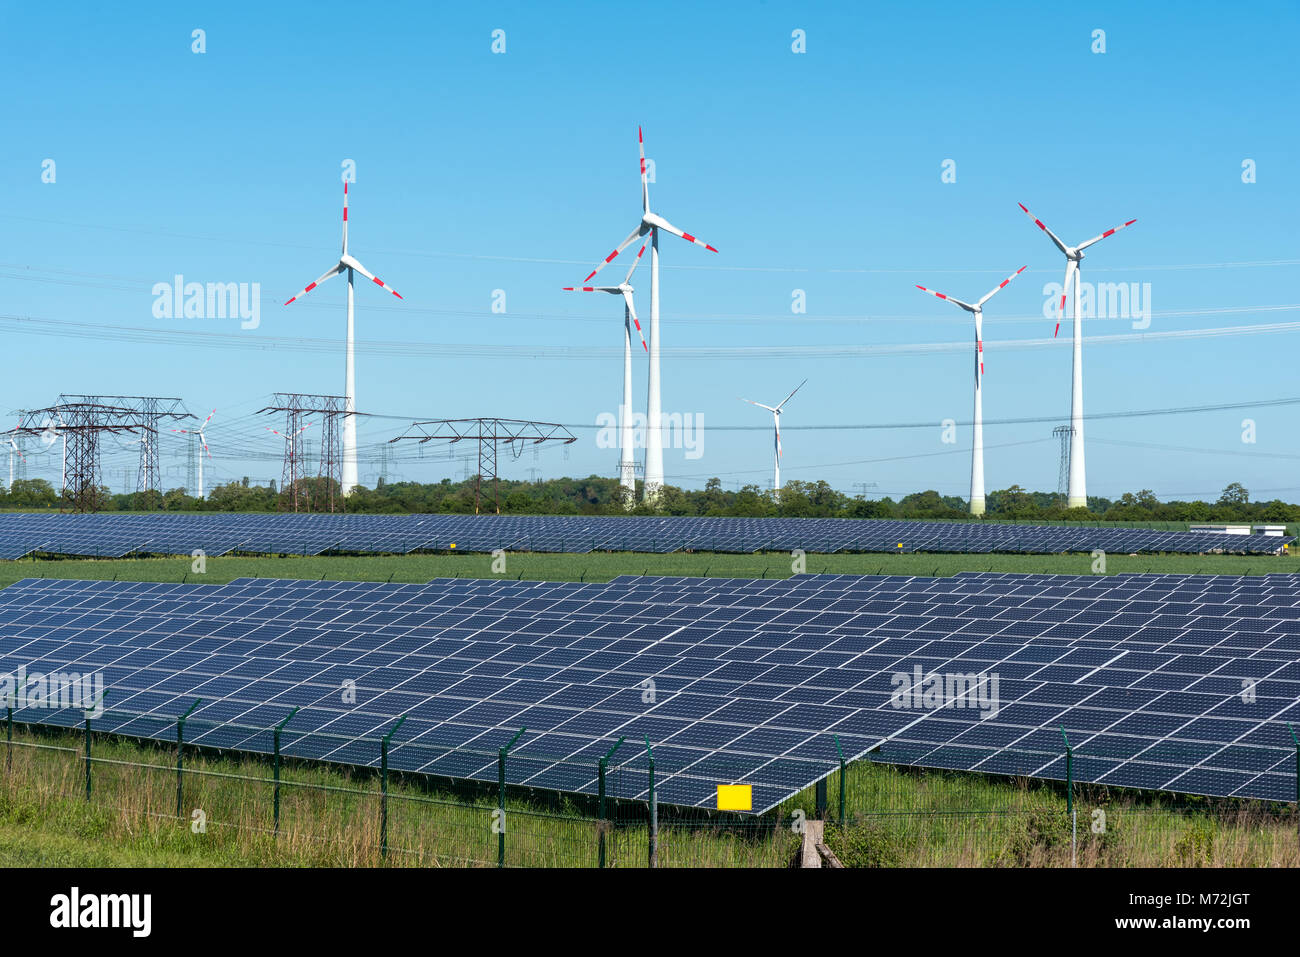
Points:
(150, 411)
(489, 432)
(79, 425)
(302, 410)
(1063, 432)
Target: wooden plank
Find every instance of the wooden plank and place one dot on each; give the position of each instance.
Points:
(812, 836)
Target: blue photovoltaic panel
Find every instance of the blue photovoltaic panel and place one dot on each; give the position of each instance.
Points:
(751, 678)
(118, 534)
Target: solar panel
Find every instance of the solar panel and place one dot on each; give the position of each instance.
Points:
(734, 677)
(112, 535)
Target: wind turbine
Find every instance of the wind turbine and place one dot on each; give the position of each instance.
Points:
(776, 426)
(13, 450)
(626, 465)
(49, 435)
(977, 444)
(1078, 497)
(651, 224)
(291, 443)
(350, 264)
(203, 443)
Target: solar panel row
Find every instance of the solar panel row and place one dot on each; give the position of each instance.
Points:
(1182, 683)
(119, 534)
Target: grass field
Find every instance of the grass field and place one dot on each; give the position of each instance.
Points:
(602, 566)
(330, 817)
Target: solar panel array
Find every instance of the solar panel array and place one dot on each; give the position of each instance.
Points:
(1168, 682)
(113, 535)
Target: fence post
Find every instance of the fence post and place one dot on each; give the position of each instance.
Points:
(180, 756)
(383, 788)
(278, 728)
(501, 797)
(1069, 798)
(87, 757)
(600, 767)
(843, 785)
(653, 807)
(98, 704)
(9, 739)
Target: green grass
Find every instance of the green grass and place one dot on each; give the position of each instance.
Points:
(330, 818)
(602, 566)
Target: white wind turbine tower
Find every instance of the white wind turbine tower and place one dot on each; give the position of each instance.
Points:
(50, 434)
(13, 450)
(626, 464)
(776, 427)
(651, 224)
(203, 444)
(351, 265)
(1078, 497)
(977, 441)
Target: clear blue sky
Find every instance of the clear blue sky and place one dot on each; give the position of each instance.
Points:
(818, 171)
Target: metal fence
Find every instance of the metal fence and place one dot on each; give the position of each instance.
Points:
(177, 790)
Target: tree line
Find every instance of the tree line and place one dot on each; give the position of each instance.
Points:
(598, 495)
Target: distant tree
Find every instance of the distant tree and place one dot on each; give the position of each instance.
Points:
(927, 504)
(1013, 502)
(1234, 494)
(32, 493)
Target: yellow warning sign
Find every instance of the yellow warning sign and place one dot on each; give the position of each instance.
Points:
(735, 797)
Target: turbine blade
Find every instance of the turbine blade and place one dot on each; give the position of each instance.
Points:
(636, 262)
(791, 395)
(345, 217)
(1037, 222)
(939, 295)
(635, 235)
(631, 311)
(664, 224)
(1070, 267)
(375, 279)
(998, 288)
(759, 404)
(330, 274)
(590, 289)
(1109, 232)
(645, 187)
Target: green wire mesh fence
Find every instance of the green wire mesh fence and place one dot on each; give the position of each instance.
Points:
(187, 790)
